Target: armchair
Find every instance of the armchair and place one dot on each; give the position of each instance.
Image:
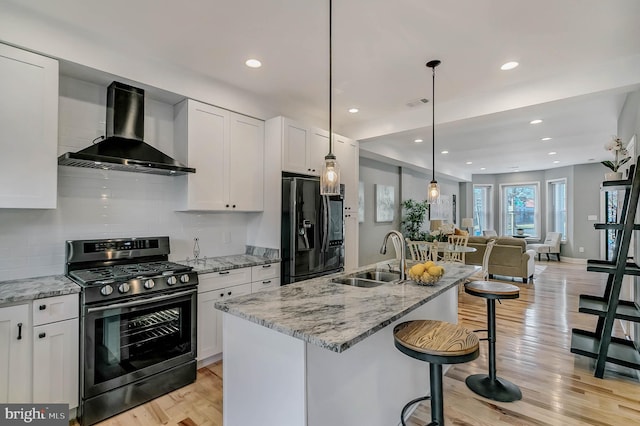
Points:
(551, 245)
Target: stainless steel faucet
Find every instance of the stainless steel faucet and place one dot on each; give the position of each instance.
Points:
(403, 256)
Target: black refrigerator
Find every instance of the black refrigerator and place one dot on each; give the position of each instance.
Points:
(312, 230)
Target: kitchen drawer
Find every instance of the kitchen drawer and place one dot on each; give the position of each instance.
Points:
(265, 272)
(235, 291)
(53, 309)
(265, 284)
(218, 280)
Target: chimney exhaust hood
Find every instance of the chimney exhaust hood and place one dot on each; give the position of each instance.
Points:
(124, 148)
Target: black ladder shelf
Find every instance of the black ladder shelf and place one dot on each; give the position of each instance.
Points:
(599, 344)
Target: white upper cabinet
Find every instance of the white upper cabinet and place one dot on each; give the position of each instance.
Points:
(246, 161)
(303, 148)
(227, 151)
(28, 129)
(295, 140)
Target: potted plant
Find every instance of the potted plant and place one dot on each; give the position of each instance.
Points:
(621, 157)
(414, 215)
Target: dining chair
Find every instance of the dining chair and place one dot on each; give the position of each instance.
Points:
(456, 256)
(420, 250)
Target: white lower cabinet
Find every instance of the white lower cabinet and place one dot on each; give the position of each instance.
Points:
(15, 354)
(265, 277)
(55, 350)
(55, 363)
(39, 356)
(222, 285)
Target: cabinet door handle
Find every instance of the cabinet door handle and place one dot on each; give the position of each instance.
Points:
(234, 206)
(266, 282)
(227, 205)
(221, 294)
(223, 273)
(266, 266)
(19, 331)
(42, 335)
(42, 307)
(229, 293)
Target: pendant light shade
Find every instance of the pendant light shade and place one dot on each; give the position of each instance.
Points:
(433, 192)
(330, 178)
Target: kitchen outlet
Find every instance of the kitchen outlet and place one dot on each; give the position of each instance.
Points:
(226, 237)
(581, 249)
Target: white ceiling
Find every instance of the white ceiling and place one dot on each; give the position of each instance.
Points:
(578, 60)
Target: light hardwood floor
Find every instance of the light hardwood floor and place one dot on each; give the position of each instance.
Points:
(533, 339)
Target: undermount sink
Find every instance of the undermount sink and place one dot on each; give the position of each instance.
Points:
(357, 282)
(368, 279)
(385, 276)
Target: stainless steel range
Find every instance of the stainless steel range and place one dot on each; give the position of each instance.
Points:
(138, 325)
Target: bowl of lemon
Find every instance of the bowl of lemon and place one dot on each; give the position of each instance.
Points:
(425, 273)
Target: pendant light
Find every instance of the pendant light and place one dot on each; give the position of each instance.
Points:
(433, 192)
(330, 178)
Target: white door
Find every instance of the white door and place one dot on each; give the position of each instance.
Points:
(208, 134)
(15, 351)
(28, 129)
(55, 363)
(294, 147)
(246, 163)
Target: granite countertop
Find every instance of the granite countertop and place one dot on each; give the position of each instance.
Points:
(336, 316)
(223, 263)
(36, 288)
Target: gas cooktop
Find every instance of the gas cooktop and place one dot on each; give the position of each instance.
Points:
(125, 272)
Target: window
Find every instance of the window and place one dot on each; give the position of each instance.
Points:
(520, 209)
(482, 208)
(557, 206)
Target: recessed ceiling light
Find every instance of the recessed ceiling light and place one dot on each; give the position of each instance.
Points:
(545, 139)
(353, 110)
(552, 153)
(483, 168)
(418, 140)
(253, 63)
(556, 162)
(509, 66)
(536, 121)
(469, 162)
(444, 152)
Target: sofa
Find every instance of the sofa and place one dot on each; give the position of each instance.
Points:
(509, 257)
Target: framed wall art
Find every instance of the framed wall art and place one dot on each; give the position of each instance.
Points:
(385, 203)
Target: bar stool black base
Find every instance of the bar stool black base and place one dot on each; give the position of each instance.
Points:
(498, 390)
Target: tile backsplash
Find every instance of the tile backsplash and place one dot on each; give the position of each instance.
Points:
(110, 204)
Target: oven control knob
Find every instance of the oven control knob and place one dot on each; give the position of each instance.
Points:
(171, 280)
(149, 284)
(184, 278)
(123, 288)
(106, 290)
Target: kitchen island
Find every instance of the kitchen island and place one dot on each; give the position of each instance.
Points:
(318, 353)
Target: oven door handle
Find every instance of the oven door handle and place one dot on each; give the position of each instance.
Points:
(140, 302)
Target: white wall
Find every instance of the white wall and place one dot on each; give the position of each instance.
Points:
(107, 204)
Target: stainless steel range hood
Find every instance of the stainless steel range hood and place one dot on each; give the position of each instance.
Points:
(124, 148)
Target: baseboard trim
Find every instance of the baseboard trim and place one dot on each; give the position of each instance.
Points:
(563, 259)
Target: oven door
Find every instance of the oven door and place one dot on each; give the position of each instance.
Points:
(126, 341)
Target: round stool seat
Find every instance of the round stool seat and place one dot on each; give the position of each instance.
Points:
(437, 342)
(492, 290)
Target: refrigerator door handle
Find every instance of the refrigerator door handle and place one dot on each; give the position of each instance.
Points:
(325, 223)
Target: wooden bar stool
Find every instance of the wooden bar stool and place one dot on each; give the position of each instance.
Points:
(436, 342)
(490, 386)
